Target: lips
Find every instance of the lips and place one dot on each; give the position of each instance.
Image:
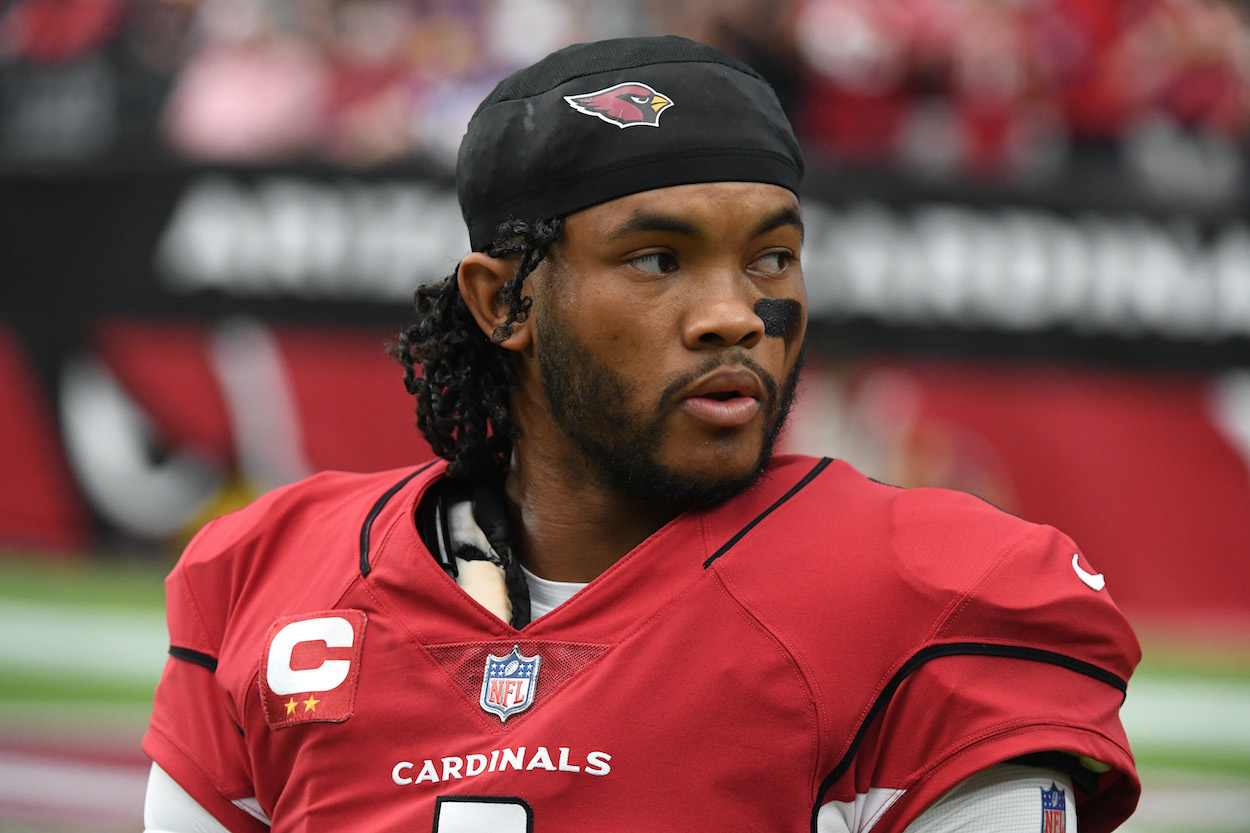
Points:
(727, 398)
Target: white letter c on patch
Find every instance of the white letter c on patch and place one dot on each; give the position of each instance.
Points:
(334, 631)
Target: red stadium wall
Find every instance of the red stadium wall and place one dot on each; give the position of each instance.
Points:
(39, 503)
(1136, 467)
(162, 412)
(1133, 465)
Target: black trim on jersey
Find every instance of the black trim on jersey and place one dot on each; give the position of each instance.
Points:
(955, 649)
(196, 657)
(820, 466)
(377, 510)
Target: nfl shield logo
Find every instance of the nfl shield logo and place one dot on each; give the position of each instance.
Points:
(1054, 809)
(509, 682)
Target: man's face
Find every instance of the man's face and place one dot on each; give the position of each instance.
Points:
(668, 328)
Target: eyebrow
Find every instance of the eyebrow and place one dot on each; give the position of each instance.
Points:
(643, 221)
(785, 217)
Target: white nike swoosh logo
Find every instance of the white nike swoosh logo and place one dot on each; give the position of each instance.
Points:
(1093, 580)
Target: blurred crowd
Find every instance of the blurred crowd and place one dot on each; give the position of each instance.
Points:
(992, 87)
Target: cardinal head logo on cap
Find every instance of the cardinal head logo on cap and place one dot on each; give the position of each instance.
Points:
(624, 105)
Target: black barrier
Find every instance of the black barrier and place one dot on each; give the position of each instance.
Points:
(1089, 267)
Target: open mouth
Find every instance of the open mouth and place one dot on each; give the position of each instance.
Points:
(729, 398)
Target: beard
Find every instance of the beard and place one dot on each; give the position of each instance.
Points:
(590, 403)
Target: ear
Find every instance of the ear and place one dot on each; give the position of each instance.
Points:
(480, 279)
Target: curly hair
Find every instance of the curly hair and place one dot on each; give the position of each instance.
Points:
(463, 386)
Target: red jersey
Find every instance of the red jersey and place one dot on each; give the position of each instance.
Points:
(819, 639)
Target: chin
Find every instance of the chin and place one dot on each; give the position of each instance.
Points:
(720, 470)
(688, 484)
(723, 455)
(700, 492)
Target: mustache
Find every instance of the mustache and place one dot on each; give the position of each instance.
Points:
(669, 400)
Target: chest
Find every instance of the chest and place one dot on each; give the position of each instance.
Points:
(694, 717)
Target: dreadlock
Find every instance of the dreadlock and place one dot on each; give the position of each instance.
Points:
(465, 379)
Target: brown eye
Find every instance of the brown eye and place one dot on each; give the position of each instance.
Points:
(656, 263)
(773, 263)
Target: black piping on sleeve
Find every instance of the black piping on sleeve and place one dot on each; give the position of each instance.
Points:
(195, 657)
(951, 650)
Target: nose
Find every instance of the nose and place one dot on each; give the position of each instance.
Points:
(722, 314)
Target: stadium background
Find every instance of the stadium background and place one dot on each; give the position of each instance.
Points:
(1028, 262)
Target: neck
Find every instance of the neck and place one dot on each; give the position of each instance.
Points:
(567, 525)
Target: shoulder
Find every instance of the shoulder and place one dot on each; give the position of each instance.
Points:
(326, 509)
(295, 547)
(910, 567)
(827, 515)
(324, 501)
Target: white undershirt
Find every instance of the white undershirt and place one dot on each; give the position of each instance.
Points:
(546, 595)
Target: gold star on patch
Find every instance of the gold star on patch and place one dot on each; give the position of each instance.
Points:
(310, 705)
(290, 706)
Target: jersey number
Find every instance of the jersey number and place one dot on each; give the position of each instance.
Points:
(475, 813)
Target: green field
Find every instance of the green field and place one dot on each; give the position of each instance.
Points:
(82, 644)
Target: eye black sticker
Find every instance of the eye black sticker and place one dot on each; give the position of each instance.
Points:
(781, 316)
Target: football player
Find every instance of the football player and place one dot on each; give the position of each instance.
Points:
(609, 606)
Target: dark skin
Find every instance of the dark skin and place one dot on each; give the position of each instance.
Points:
(659, 289)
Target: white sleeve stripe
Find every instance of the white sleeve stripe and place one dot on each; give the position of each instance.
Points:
(168, 808)
(252, 807)
(851, 816)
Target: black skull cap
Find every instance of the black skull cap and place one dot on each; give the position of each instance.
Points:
(596, 121)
